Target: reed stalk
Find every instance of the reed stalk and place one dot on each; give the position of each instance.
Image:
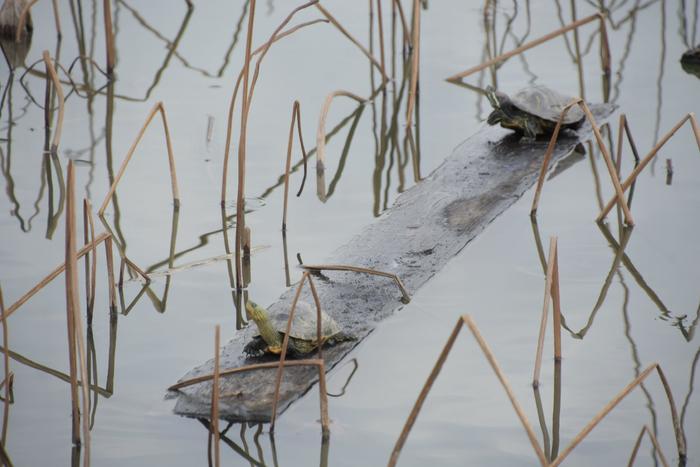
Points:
(654, 441)
(404, 23)
(110, 274)
(157, 109)
(53, 274)
(342, 267)
(215, 398)
(551, 289)
(415, 62)
(51, 72)
(90, 277)
(604, 47)
(72, 300)
(650, 155)
(7, 381)
(109, 36)
(349, 36)
(296, 115)
(465, 320)
(380, 24)
(240, 208)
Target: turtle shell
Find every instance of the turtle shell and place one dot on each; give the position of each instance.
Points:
(546, 104)
(304, 323)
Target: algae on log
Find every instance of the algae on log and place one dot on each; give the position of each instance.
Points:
(427, 225)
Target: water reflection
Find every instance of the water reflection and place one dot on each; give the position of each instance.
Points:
(264, 453)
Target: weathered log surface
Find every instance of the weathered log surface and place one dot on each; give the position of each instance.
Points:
(427, 225)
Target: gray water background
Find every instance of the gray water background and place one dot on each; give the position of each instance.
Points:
(497, 278)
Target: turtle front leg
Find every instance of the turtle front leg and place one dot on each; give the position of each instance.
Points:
(256, 347)
(531, 129)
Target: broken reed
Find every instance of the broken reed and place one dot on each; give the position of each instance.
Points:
(613, 168)
(51, 73)
(321, 139)
(158, 109)
(604, 47)
(74, 321)
(466, 320)
(406, 298)
(651, 154)
(654, 441)
(344, 32)
(603, 149)
(296, 116)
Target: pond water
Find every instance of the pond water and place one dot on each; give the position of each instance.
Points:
(189, 60)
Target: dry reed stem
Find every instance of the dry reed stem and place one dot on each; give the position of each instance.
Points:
(233, 371)
(296, 115)
(22, 22)
(465, 320)
(215, 398)
(380, 24)
(109, 35)
(157, 109)
(415, 62)
(321, 131)
(283, 352)
(404, 23)
(605, 49)
(616, 400)
(341, 267)
(232, 103)
(603, 149)
(551, 289)
(51, 71)
(344, 32)
(73, 313)
(650, 155)
(7, 381)
(53, 274)
(90, 277)
(654, 441)
(110, 273)
(240, 209)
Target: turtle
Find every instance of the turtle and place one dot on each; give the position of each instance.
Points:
(690, 61)
(303, 334)
(532, 111)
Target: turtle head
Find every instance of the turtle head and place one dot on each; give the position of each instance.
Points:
(262, 320)
(504, 111)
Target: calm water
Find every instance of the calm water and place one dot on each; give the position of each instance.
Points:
(648, 313)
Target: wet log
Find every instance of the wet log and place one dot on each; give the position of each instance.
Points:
(427, 225)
